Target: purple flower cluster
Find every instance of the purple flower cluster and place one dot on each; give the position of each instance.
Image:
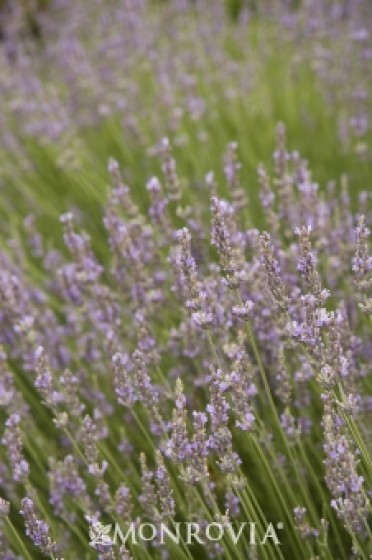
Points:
(179, 363)
(36, 528)
(91, 82)
(183, 348)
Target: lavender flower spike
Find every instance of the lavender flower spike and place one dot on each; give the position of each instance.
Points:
(12, 440)
(362, 266)
(36, 528)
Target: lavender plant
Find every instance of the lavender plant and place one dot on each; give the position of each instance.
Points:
(190, 377)
(179, 70)
(213, 374)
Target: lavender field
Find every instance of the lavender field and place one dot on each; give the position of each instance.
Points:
(185, 279)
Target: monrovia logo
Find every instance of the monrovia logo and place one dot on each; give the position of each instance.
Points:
(187, 532)
(99, 534)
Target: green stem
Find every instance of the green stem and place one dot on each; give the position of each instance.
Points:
(267, 390)
(216, 510)
(247, 498)
(274, 484)
(354, 430)
(321, 493)
(18, 538)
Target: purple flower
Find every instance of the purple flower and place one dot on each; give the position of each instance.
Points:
(37, 529)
